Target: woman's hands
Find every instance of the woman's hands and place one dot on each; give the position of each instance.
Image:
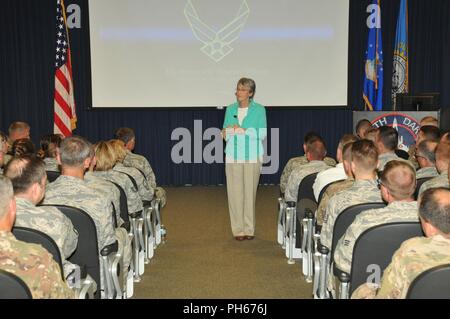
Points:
(233, 130)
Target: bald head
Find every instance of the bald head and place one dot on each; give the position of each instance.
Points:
(434, 208)
(442, 156)
(400, 179)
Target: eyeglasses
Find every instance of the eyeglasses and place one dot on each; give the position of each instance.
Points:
(379, 183)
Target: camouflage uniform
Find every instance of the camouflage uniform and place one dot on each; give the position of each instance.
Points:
(293, 163)
(72, 191)
(384, 158)
(134, 202)
(51, 164)
(427, 172)
(394, 212)
(142, 164)
(438, 181)
(75, 192)
(297, 176)
(108, 190)
(362, 191)
(145, 190)
(35, 266)
(50, 221)
(287, 170)
(414, 256)
(332, 190)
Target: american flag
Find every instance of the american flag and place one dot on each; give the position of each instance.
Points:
(64, 111)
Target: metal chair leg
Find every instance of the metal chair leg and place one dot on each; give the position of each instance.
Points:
(281, 225)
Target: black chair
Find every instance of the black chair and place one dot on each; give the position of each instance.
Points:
(343, 221)
(34, 236)
(433, 283)
(12, 287)
(86, 255)
(376, 246)
(135, 227)
(306, 203)
(419, 183)
(346, 218)
(123, 205)
(52, 175)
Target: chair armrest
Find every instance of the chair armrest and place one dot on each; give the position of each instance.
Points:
(309, 214)
(136, 214)
(126, 225)
(114, 247)
(291, 204)
(322, 249)
(342, 275)
(147, 203)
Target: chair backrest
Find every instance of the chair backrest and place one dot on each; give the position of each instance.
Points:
(86, 254)
(52, 175)
(12, 287)
(305, 189)
(433, 283)
(123, 203)
(346, 218)
(305, 201)
(35, 236)
(419, 183)
(376, 246)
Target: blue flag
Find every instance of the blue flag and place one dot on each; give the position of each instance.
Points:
(400, 65)
(373, 77)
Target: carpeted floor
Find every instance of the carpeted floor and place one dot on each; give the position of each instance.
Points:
(201, 259)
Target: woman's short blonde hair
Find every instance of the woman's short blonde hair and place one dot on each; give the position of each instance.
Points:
(118, 150)
(104, 155)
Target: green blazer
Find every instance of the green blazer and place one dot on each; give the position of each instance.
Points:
(247, 146)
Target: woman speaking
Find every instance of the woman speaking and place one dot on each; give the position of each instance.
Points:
(244, 129)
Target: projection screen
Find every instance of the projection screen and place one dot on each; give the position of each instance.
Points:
(191, 53)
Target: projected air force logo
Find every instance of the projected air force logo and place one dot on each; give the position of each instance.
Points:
(217, 45)
(406, 126)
